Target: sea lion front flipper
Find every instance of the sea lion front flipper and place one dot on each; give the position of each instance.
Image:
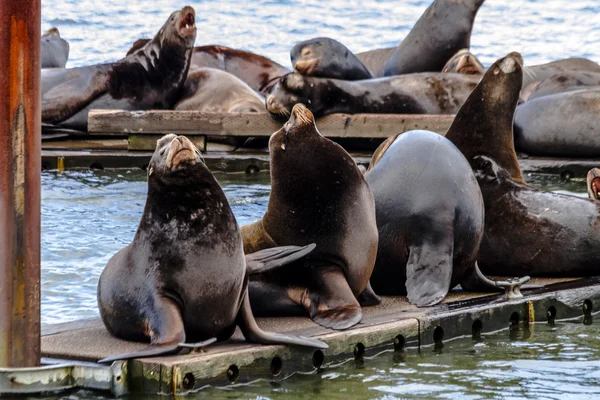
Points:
(253, 333)
(268, 259)
(368, 297)
(429, 273)
(331, 302)
(166, 329)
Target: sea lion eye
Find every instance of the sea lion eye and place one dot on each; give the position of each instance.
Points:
(162, 152)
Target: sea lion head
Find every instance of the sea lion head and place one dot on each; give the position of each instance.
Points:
(464, 62)
(52, 32)
(300, 124)
(306, 55)
(291, 89)
(175, 160)
(179, 28)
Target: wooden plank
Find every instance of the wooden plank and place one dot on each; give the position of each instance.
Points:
(148, 142)
(118, 122)
(96, 144)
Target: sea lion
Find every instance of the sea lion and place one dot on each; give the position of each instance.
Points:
(426, 93)
(443, 29)
(593, 184)
(427, 244)
(560, 125)
(213, 90)
(184, 276)
(327, 58)
(375, 60)
(150, 78)
(464, 62)
(55, 50)
(328, 202)
(527, 230)
(564, 82)
(258, 72)
(537, 73)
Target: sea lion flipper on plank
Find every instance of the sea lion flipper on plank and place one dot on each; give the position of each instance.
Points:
(368, 297)
(253, 333)
(429, 270)
(268, 259)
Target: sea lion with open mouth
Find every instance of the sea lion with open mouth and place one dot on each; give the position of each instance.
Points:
(184, 276)
(150, 78)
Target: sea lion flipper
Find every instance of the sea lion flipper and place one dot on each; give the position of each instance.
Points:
(253, 333)
(332, 303)
(428, 273)
(368, 297)
(268, 259)
(150, 351)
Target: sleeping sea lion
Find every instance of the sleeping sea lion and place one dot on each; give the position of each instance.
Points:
(426, 93)
(325, 201)
(55, 50)
(213, 90)
(427, 244)
(564, 82)
(184, 276)
(527, 231)
(327, 58)
(150, 78)
(464, 62)
(443, 29)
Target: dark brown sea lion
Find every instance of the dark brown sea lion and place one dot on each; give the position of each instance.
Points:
(258, 72)
(593, 184)
(150, 78)
(564, 82)
(560, 125)
(442, 30)
(55, 50)
(375, 60)
(325, 201)
(213, 90)
(184, 276)
(327, 58)
(464, 62)
(527, 231)
(426, 93)
(428, 243)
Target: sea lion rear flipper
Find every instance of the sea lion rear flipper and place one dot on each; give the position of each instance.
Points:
(253, 333)
(331, 302)
(166, 328)
(368, 297)
(429, 273)
(268, 259)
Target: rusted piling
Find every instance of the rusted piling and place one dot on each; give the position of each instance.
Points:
(20, 166)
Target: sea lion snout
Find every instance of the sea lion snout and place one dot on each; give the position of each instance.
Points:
(187, 22)
(182, 153)
(301, 115)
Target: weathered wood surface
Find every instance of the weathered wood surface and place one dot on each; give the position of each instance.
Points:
(120, 122)
(148, 142)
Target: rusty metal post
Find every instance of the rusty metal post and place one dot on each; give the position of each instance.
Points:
(20, 169)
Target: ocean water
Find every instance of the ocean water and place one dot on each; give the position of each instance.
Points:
(542, 30)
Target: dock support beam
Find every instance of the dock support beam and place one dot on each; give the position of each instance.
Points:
(20, 169)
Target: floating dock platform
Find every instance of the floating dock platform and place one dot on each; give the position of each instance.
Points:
(126, 139)
(71, 350)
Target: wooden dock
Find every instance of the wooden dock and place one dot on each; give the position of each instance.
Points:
(393, 327)
(126, 139)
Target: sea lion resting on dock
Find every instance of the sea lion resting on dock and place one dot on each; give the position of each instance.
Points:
(425, 93)
(213, 90)
(184, 276)
(464, 62)
(327, 58)
(428, 243)
(55, 50)
(527, 231)
(150, 78)
(443, 29)
(258, 72)
(327, 202)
